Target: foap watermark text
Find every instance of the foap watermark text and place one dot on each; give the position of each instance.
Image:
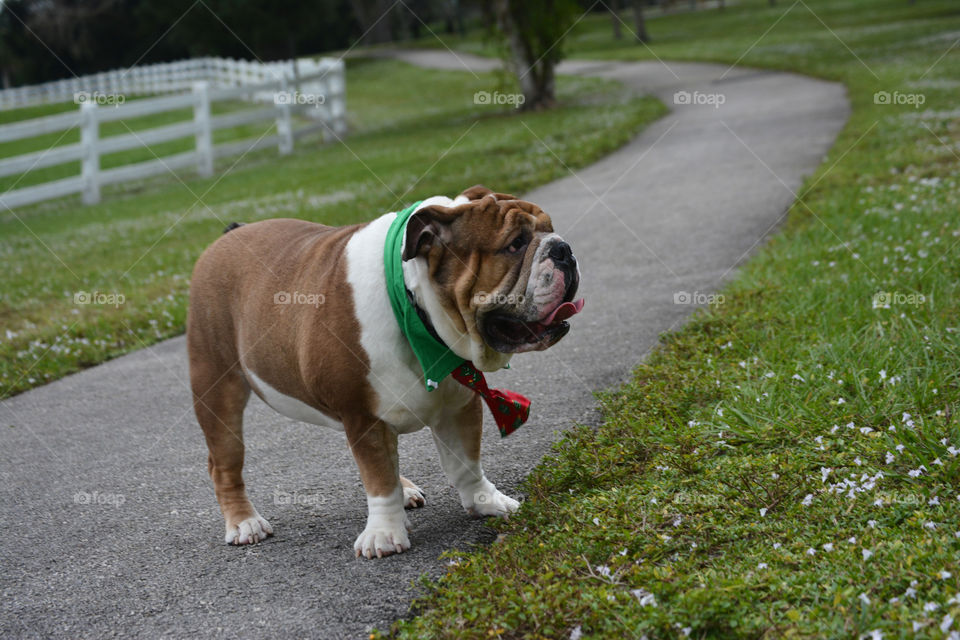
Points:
(112, 298)
(496, 97)
(699, 98)
(98, 98)
(298, 297)
(915, 100)
(697, 297)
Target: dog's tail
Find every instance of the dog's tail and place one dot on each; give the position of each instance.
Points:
(232, 226)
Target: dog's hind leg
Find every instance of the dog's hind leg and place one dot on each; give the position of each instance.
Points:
(219, 398)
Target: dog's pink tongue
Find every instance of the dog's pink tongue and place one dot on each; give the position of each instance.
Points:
(563, 312)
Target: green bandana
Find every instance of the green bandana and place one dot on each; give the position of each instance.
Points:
(436, 359)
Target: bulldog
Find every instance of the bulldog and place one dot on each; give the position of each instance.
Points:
(359, 327)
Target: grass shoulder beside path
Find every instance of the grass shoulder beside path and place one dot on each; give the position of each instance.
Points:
(414, 133)
(786, 465)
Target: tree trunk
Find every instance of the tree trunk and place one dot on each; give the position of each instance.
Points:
(640, 25)
(536, 77)
(614, 5)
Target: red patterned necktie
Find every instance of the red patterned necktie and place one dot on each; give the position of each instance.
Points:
(509, 409)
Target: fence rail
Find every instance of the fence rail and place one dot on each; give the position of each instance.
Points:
(165, 77)
(319, 95)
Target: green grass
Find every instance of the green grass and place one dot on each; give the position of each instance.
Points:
(786, 464)
(415, 133)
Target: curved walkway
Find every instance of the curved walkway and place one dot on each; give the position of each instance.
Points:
(673, 211)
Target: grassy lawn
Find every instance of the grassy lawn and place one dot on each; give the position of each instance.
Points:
(786, 464)
(414, 133)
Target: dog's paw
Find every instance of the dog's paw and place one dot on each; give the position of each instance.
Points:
(413, 497)
(381, 539)
(492, 503)
(250, 531)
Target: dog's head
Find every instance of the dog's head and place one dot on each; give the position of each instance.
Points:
(498, 279)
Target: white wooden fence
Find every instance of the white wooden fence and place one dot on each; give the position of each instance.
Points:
(166, 77)
(319, 95)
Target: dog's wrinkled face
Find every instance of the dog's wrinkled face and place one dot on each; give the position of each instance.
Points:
(503, 281)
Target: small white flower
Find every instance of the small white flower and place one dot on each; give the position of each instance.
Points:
(937, 462)
(623, 552)
(777, 545)
(877, 503)
(576, 633)
(857, 461)
(797, 376)
(900, 448)
(872, 524)
(850, 425)
(645, 598)
(828, 546)
(876, 634)
(935, 500)
(762, 565)
(918, 625)
(596, 521)
(834, 428)
(864, 599)
(945, 575)
(824, 472)
(946, 623)
(930, 525)
(931, 606)
(953, 451)
(841, 401)
(866, 554)
(852, 540)
(811, 551)
(603, 570)
(883, 374)
(763, 512)
(808, 500)
(890, 457)
(865, 430)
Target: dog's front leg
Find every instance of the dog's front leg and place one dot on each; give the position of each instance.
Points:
(458, 442)
(374, 447)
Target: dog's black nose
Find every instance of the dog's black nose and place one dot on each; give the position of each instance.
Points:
(561, 254)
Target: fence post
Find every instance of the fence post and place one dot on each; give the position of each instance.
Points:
(90, 162)
(203, 131)
(284, 98)
(338, 88)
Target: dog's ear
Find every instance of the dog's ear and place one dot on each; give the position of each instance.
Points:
(478, 191)
(426, 227)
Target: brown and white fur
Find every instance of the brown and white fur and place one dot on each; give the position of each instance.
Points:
(299, 313)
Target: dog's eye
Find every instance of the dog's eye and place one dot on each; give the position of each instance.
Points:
(518, 244)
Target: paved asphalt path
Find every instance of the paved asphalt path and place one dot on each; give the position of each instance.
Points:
(674, 210)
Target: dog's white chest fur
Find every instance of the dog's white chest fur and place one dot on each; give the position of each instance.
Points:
(395, 374)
